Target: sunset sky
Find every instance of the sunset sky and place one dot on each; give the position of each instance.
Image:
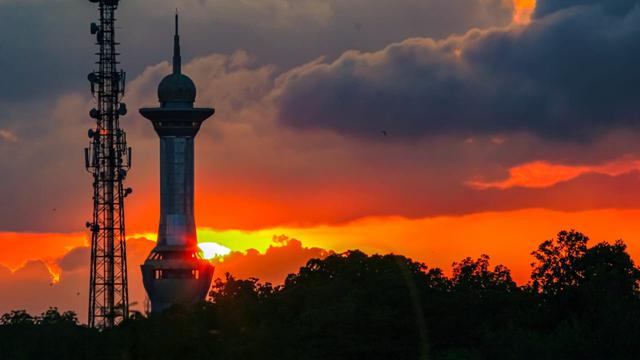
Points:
(506, 121)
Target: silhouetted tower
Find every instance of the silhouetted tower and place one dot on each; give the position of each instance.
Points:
(108, 158)
(174, 272)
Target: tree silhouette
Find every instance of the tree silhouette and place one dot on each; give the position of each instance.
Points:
(582, 303)
(608, 270)
(475, 275)
(555, 268)
(17, 318)
(54, 317)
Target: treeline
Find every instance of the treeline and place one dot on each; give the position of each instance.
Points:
(581, 303)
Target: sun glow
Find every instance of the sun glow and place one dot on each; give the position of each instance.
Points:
(212, 250)
(522, 11)
(54, 270)
(147, 235)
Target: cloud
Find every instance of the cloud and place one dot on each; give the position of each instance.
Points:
(232, 83)
(64, 282)
(6, 135)
(614, 7)
(284, 257)
(20, 247)
(253, 173)
(280, 32)
(523, 11)
(47, 180)
(75, 259)
(542, 174)
(570, 76)
(29, 287)
(33, 270)
(321, 164)
(62, 203)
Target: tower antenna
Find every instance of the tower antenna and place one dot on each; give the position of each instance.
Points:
(108, 158)
(177, 59)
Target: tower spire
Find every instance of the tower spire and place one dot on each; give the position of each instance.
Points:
(177, 61)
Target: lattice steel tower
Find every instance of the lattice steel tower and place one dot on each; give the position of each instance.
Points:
(108, 158)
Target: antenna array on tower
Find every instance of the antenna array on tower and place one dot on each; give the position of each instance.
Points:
(108, 158)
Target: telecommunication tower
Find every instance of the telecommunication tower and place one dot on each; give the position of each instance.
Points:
(108, 158)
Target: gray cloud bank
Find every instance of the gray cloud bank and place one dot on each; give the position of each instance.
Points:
(46, 51)
(571, 74)
(614, 7)
(46, 48)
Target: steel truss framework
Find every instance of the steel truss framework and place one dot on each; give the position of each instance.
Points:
(108, 159)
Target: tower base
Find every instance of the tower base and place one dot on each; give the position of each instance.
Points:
(176, 277)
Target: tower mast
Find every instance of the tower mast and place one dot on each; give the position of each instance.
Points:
(108, 159)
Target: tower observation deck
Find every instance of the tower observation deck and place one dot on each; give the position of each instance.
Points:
(174, 272)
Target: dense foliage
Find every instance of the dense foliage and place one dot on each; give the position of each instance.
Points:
(582, 303)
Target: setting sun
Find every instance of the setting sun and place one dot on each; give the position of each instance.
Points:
(212, 250)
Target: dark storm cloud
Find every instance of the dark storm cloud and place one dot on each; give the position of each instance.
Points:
(46, 47)
(618, 7)
(571, 75)
(46, 50)
(41, 44)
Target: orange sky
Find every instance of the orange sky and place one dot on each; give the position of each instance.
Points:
(523, 11)
(508, 237)
(275, 196)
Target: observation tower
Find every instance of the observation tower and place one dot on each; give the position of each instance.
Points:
(174, 272)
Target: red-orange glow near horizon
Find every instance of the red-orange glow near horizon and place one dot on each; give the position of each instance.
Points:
(17, 248)
(508, 237)
(523, 10)
(254, 207)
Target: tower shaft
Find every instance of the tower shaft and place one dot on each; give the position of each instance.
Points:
(108, 158)
(177, 223)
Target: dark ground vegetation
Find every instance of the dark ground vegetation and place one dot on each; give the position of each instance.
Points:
(581, 303)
